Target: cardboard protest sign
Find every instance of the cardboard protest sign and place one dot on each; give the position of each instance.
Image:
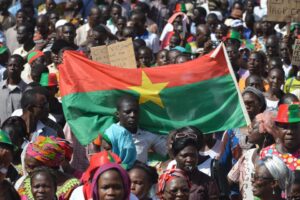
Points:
(283, 10)
(296, 53)
(119, 54)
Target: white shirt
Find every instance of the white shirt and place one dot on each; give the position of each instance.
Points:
(145, 140)
(152, 41)
(81, 34)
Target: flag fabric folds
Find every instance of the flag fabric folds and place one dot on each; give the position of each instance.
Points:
(201, 93)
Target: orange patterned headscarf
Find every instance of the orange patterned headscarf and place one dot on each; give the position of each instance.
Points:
(167, 176)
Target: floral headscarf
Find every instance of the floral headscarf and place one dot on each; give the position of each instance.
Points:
(46, 150)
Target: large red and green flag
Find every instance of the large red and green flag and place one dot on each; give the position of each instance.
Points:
(201, 92)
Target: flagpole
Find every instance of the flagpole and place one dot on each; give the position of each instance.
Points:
(247, 118)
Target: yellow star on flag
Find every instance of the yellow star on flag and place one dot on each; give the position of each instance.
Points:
(149, 91)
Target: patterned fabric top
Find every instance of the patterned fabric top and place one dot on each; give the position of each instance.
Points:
(63, 192)
(291, 160)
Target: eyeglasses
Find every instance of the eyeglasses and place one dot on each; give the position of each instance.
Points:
(185, 134)
(255, 177)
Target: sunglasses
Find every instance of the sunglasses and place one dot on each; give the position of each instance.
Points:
(186, 134)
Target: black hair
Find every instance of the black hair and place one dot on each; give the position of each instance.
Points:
(181, 143)
(277, 69)
(150, 171)
(145, 48)
(50, 173)
(144, 7)
(60, 44)
(140, 13)
(126, 98)
(213, 16)
(29, 96)
(19, 58)
(238, 2)
(14, 123)
(21, 10)
(202, 11)
(276, 59)
(117, 6)
(183, 55)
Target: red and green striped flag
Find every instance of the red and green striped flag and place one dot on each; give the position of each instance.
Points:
(201, 92)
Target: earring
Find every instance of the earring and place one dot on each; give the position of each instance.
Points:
(273, 192)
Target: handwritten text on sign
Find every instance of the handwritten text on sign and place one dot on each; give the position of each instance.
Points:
(296, 53)
(283, 10)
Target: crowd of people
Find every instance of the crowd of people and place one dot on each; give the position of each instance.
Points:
(41, 158)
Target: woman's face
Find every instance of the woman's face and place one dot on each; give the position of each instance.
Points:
(290, 136)
(42, 188)
(262, 181)
(140, 183)
(110, 186)
(254, 136)
(176, 189)
(275, 79)
(252, 104)
(187, 158)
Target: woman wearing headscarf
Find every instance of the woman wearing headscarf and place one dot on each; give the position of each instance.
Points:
(173, 184)
(84, 192)
(271, 178)
(46, 151)
(287, 145)
(111, 181)
(176, 23)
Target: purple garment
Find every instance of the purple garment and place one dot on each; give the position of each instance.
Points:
(122, 172)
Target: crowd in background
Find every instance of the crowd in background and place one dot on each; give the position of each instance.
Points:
(40, 157)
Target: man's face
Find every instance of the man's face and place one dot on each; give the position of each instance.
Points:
(69, 33)
(115, 14)
(144, 58)
(20, 18)
(6, 158)
(94, 18)
(14, 68)
(254, 64)
(272, 48)
(41, 107)
(137, 20)
(22, 34)
(128, 115)
(290, 135)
